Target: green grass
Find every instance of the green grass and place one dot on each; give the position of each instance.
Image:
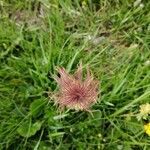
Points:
(38, 36)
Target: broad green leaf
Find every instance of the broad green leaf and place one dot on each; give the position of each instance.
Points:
(36, 107)
(28, 129)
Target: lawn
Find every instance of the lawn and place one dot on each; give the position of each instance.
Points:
(112, 38)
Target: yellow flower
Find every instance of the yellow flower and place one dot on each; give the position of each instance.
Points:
(147, 128)
(144, 111)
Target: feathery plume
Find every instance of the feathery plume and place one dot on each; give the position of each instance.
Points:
(74, 92)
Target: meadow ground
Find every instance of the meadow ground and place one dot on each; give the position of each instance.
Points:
(111, 37)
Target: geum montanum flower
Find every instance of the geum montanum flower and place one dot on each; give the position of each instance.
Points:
(74, 92)
(147, 128)
(144, 111)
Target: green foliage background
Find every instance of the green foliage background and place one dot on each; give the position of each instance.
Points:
(112, 37)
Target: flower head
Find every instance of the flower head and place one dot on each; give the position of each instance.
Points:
(144, 111)
(74, 93)
(147, 128)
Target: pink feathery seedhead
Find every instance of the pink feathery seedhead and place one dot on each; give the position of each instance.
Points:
(75, 93)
